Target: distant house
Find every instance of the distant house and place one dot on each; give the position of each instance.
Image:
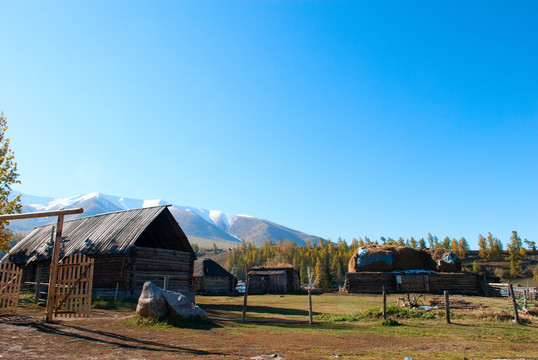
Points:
(277, 280)
(129, 248)
(211, 278)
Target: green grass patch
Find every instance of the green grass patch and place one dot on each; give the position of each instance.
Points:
(389, 322)
(377, 313)
(170, 323)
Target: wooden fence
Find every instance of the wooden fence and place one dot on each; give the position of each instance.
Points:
(74, 287)
(373, 282)
(10, 284)
(529, 292)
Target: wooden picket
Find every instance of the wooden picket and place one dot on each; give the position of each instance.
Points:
(74, 287)
(10, 285)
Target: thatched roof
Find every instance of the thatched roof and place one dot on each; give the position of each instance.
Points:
(111, 233)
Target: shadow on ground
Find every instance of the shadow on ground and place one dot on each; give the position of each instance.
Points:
(101, 337)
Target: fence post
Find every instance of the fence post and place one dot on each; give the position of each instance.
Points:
(243, 315)
(447, 307)
(166, 282)
(53, 278)
(37, 283)
(384, 303)
(514, 303)
(310, 321)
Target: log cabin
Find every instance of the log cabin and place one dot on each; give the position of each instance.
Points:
(129, 248)
(277, 280)
(211, 278)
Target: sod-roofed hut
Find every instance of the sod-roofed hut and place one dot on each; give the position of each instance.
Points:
(129, 248)
(405, 269)
(211, 278)
(277, 280)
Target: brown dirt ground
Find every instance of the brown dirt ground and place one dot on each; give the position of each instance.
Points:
(106, 335)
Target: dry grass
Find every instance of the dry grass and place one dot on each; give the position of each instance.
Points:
(114, 334)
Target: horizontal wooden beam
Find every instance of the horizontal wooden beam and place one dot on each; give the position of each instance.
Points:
(42, 214)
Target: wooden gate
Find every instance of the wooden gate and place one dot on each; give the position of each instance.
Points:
(74, 287)
(10, 285)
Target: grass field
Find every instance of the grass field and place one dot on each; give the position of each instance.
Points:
(487, 332)
(345, 326)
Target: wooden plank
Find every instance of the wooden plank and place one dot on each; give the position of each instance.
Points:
(54, 268)
(36, 214)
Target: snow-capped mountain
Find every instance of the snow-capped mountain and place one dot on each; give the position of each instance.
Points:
(202, 226)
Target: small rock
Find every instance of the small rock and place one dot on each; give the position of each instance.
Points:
(267, 357)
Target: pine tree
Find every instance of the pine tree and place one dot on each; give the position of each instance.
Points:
(454, 246)
(463, 248)
(422, 243)
(482, 247)
(495, 248)
(430, 241)
(303, 272)
(8, 177)
(531, 245)
(514, 254)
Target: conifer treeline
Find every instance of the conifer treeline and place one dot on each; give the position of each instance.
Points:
(328, 260)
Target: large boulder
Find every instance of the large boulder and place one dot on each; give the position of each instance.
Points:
(151, 302)
(180, 305)
(157, 303)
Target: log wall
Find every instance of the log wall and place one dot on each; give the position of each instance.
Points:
(373, 282)
(123, 275)
(214, 285)
(151, 264)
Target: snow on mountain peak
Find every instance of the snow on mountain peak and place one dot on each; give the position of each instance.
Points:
(222, 220)
(218, 218)
(66, 202)
(157, 202)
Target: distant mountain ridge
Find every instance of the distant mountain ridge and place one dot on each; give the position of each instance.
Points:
(202, 226)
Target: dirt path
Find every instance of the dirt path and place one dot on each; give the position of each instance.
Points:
(106, 335)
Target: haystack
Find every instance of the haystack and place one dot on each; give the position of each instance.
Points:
(446, 261)
(384, 258)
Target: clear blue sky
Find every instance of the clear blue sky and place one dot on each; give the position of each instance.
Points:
(337, 118)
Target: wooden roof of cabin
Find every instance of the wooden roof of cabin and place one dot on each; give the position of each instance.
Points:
(279, 270)
(208, 267)
(110, 233)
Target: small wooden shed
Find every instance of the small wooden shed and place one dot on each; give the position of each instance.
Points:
(277, 280)
(129, 248)
(211, 278)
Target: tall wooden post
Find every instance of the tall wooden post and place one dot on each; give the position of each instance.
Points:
(310, 275)
(514, 303)
(310, 320)
(384, 303)
(166, 282)
(243, 315)
(54, 268)
(447, 307)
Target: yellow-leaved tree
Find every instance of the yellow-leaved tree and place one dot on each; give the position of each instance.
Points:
(8, 175)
